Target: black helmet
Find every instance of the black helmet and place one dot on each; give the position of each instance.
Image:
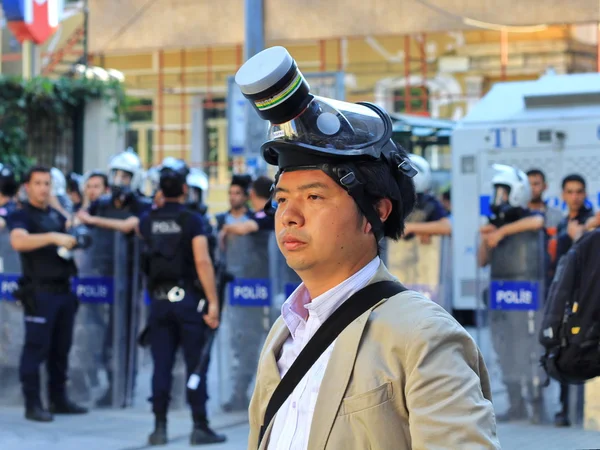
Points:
(311, 132)
(173, 174)
(8, 181)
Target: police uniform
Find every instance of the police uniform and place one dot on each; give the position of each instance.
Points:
(50, 309)
(7, 208)
(103, 264)
(176, 316)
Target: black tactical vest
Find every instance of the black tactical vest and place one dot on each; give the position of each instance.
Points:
(166, 254)
(43, 265)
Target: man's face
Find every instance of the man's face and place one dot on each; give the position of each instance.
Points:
(574, 195)
(94, 188)
(317, 223)
(237, 197)
(38, 188)
(538, 186)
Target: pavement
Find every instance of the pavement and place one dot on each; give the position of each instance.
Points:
(129, 429)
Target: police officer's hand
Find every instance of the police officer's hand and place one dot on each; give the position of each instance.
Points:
(493, 238)
(425, 239)
(64, 240)
(85, 217)
(2, 223)
(211, 318)
(485, 229)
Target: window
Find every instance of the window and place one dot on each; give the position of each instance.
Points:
(416, 100)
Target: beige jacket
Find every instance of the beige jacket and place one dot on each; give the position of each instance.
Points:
(404, 375)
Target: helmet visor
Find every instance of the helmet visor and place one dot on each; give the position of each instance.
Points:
(333, 127)
(501, 195)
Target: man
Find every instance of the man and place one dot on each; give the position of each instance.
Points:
(181, 279)
(238, 199)
(537, 181)
(579, 218)
(95, 187)
(118, 211)
(512, 337)
(37, 231)
(259, 195)
(74, 190)
(248, 330)
(579, 215)
(404, 374)
(8, 189)
(428, 209)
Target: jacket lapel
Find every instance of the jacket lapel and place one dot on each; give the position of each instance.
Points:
(338, 372)
(269, 373)
(335, 381)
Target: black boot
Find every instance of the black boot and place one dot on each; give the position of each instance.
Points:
(561, 420)
(36, 412)
(203, 434)
(62, 405)
(159, 435)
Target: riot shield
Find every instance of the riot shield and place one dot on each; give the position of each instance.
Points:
(246, 312)
(518, 271)
(99, 346)
(12, 331)
(416, 263)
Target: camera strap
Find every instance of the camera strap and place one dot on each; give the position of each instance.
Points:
(349, 311)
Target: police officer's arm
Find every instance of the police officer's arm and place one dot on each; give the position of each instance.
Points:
(531, 223)
(22, 241)
(240, 229)
(441, 227)
(204, 268)
(125, 226)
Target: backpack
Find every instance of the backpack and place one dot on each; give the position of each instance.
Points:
(570, 331)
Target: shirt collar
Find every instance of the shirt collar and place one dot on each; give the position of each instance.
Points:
(297, 308)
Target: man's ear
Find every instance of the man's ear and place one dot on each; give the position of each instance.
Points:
(384, 209)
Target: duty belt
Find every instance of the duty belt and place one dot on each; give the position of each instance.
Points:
(172, 291)
(52, 287)
(177, 293)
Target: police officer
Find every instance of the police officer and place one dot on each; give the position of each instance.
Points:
(38, 232)
(181, 282)
(513, 253)
(8, 189)
(118, 211)
(428, 208)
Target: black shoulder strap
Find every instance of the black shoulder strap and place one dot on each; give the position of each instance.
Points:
(350, 310)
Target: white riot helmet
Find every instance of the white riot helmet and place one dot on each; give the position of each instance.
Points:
(59, 183)
(422, 179)
(197, 178)
(151, 181)
(511, 188)
(129, 162)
